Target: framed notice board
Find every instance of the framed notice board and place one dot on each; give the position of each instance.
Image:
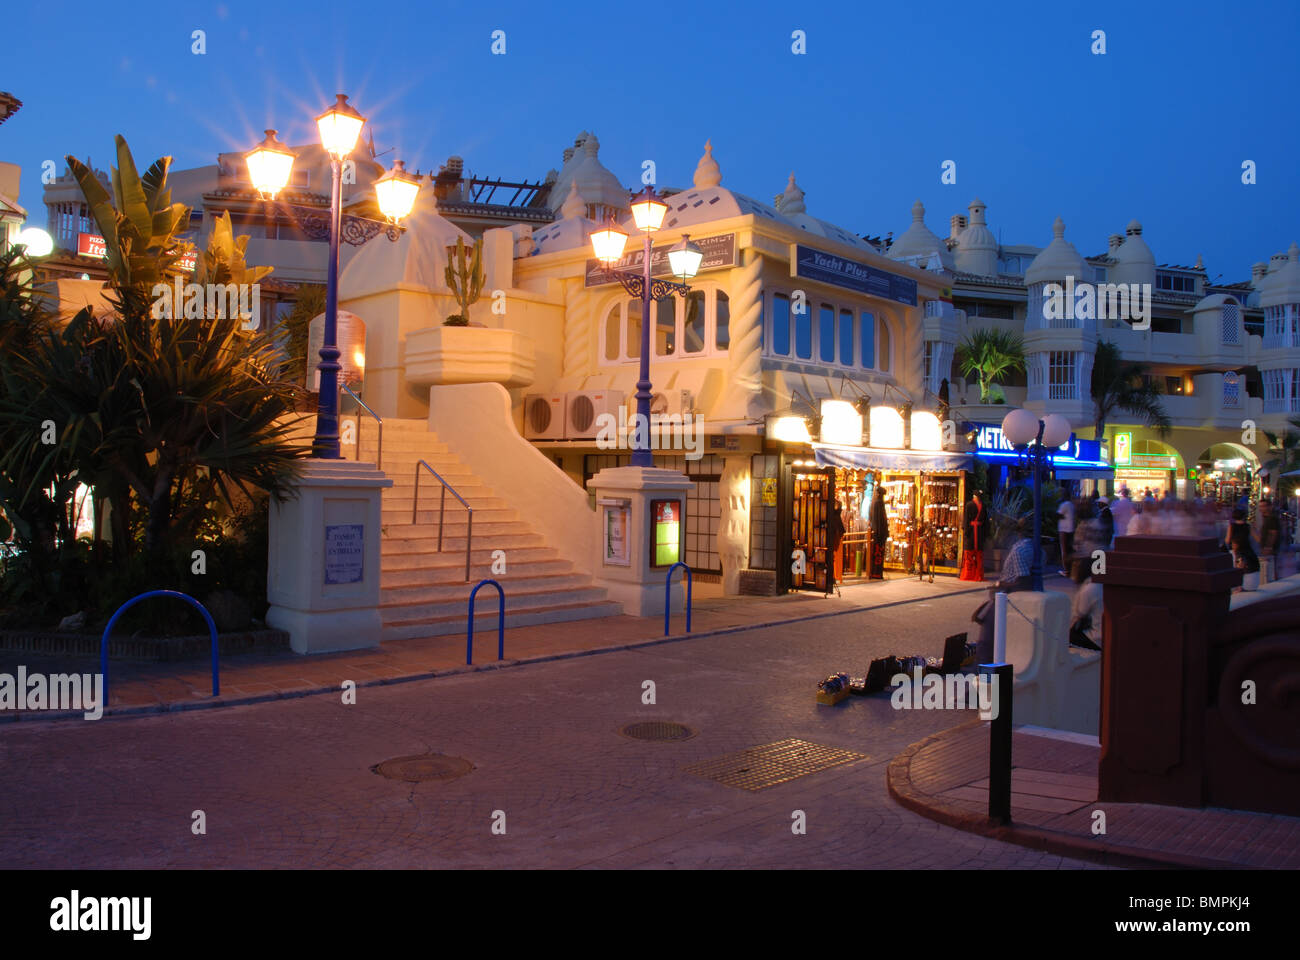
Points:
(665, 532)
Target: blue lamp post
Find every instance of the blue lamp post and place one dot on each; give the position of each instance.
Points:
(684, 259)
(269, 167)
(1036, 439)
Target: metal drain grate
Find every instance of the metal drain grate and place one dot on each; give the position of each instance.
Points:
(773, 763)
(658, 730)
(423, 767)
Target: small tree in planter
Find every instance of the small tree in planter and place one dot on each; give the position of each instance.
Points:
(465, 277)
(987, 354)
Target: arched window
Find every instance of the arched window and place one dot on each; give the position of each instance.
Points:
(665, 330)
(884, 346)
(695, 322)
(803, 331)
(634, 329)
(722, 321)
(613, 332)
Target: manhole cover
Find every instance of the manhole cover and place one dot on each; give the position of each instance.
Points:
(423, 767)
(657, 730)
(760, 767)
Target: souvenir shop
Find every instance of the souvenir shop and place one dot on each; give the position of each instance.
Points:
(919, 513)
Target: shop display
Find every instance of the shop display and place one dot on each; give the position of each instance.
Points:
(834, 689)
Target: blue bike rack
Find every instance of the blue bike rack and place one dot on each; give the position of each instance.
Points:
(501, 621)
(212, 630)
(668, 594)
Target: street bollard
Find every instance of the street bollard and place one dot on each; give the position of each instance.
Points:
(1000, 743)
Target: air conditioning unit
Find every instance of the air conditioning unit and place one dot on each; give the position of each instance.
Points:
(544, 417)
(585, 408)
(671, 403)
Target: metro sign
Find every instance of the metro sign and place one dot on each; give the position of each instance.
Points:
(91, 245)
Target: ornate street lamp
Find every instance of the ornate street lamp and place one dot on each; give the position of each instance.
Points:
(1036, 439)
(684, 259)
(269, 167)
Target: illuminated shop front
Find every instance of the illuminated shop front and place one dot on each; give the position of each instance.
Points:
(860, 448)
(1083, 460)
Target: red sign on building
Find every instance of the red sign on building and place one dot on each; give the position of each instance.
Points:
(91, 245)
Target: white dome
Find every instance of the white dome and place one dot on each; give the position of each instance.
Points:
(418, 257)
(1282, 282)
(1214, 302)
(598, 185)
(918, 241)
(977, 248)
(1058, 260)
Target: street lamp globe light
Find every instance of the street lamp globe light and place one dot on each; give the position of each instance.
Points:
(396, 191)
(1020, 428)
(1056, 430)
(685, 257)
(648, 210)
(608, 243)
(269, 165)
(339, 127)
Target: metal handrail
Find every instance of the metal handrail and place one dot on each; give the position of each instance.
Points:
(379, 453)
(442, 510)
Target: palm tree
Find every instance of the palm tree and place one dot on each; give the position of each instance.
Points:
(1117, 385)
(1285, 449)
(987, 354)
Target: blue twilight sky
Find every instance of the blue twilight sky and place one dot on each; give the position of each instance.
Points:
(1157, 128)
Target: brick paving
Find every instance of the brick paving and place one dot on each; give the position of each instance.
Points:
(136, 686)
(288, 783)
(1054, 798)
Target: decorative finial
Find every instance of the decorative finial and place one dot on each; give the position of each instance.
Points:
(707, 171)
(918, 212)
(574, 206)
(1058, 228)
(792, 199)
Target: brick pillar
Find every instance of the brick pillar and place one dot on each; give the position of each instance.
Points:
(1165, 600)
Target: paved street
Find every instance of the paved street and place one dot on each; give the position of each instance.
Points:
(289, 783)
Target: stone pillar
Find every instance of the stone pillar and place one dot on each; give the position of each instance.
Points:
(1165, 602)
(629, 492)
(323, 575)
(735, 487)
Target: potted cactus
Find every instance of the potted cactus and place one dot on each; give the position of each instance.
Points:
(465, 278)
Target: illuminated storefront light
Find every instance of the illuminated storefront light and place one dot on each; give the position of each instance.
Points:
(841, 423)
(886, 428)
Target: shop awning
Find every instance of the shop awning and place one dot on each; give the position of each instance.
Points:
(1084, 473)
(873, 458)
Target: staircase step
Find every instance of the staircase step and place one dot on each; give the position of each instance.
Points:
(425, 543)
(415, 611)
(485, 625)
(393, 563)
(454, 573)
(456, 588)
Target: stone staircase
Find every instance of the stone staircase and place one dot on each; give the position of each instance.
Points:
(423, 592)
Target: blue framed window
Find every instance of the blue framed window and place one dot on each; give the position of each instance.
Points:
(826, 333)
(803, 332)
(781, 324)
(868, 327)
(846, 337)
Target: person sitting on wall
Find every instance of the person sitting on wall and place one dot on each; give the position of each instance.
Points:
(1085, 607)
(1016, 576)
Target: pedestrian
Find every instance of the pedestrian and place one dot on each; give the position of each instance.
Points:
(1017, 575)
(1122, 510)
(1244, 557)
(879, 532)
(834, 537)
(1065, 530)
(1106, 517)
(1089, 535)
(976, 530)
